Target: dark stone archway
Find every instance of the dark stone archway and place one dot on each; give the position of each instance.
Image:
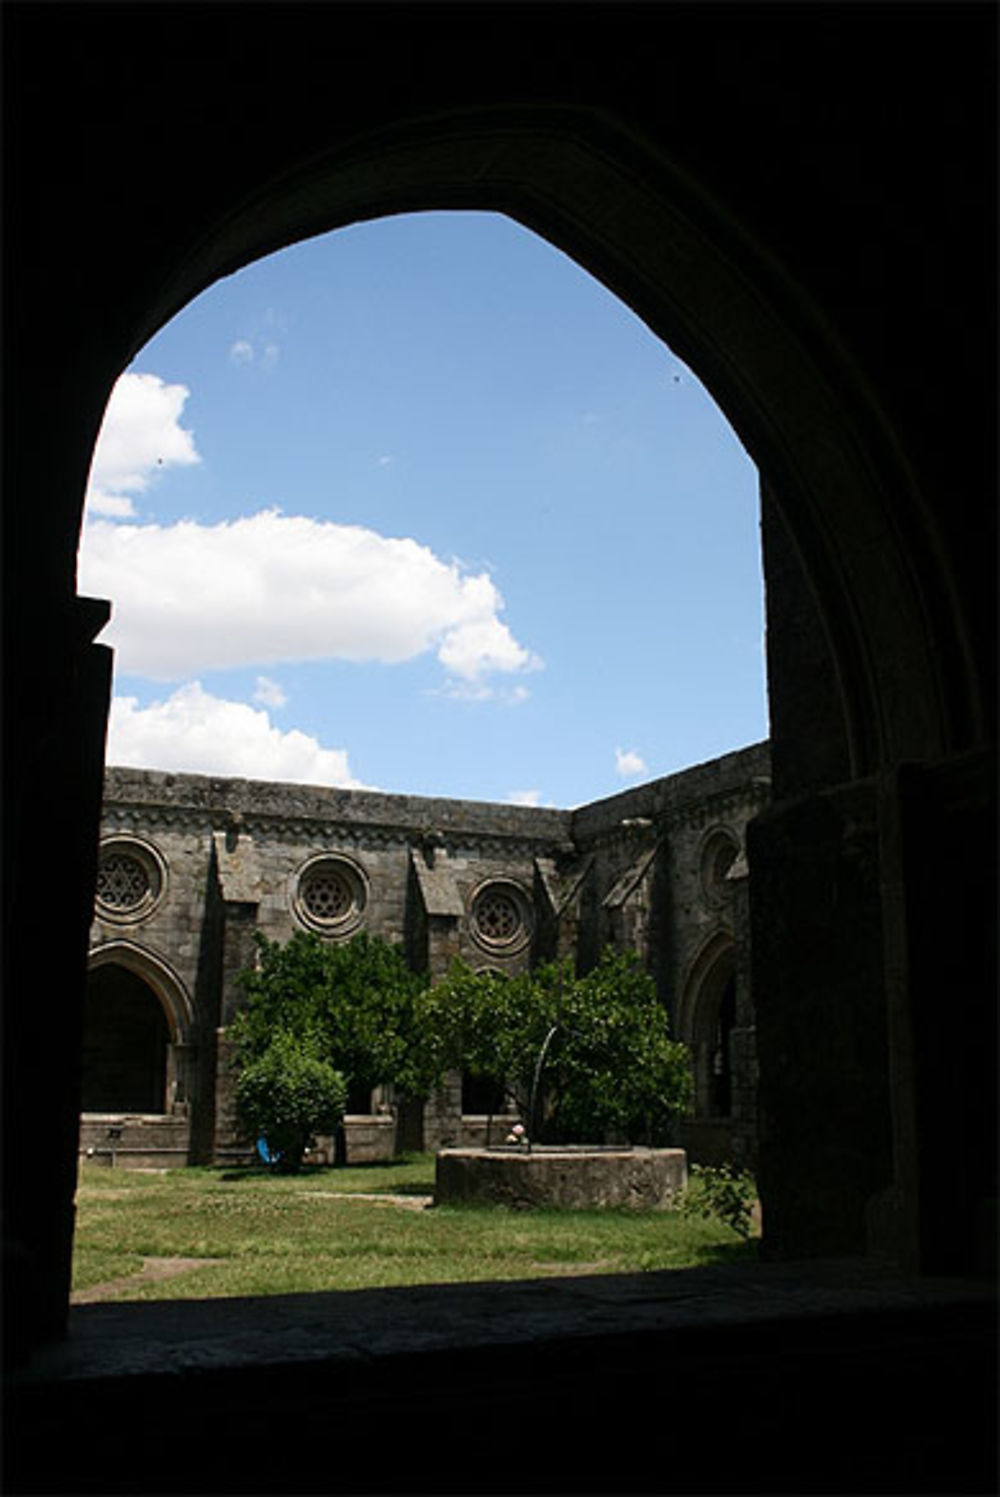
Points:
(866, 600)
(707, 1017)
(125, 1038)
(770, 190)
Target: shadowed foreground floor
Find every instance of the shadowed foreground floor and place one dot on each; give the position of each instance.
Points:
(819, 1377)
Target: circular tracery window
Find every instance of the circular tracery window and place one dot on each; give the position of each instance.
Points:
(497, 917)
(129, 881)
(500, 916)
(330, 896)
(719, 852)
(327, 895)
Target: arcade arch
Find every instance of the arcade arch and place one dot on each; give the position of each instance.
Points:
(124, 1044)
(706, 1019)
(137, 1042)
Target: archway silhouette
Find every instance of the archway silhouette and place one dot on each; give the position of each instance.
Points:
(863, 531)
(157, 975)
(138, 1033)
(776, 372)
(872, 217)
(708, 987)
(124, 1045)
(878, 610)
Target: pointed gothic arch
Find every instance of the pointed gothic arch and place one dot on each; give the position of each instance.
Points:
(705, 1019)
(915, 523)
(701, 284)
(158, 975)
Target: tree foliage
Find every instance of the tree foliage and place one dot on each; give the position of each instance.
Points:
(351, 1004)
(597, 1045)
(286, 1094)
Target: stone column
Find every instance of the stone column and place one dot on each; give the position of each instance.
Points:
(938, 846)
(872, 910)
(239, 921)
(825, 1123)
(442, 1112)
(743, 1037)
(57, 685)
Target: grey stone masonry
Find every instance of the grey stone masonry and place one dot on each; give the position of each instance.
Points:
(569, 1180)
(192, 867)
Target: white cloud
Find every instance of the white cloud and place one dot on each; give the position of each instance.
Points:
(194, 732)
(480, 644)
(524, 798)
(465, 691)
(628, 763)
(271, 587)
(263, 355)
(140, 435)
(269, 693)
(480, 691)
(116, 506)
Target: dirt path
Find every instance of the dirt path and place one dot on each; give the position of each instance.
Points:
(409, 1203)
(153, 1271)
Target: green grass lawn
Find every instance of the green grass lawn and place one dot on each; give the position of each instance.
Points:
(252, 1232)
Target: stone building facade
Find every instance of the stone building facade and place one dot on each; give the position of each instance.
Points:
(191, 866)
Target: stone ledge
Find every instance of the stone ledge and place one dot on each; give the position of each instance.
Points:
(826, 1378)
(367, 1325)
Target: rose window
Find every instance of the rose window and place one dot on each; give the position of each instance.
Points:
(326, 895)
(719, 852)
(330, 895)
(128, 881)
(500, 917)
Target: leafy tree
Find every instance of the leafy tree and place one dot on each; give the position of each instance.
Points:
(584, 1058)
(351, 1004)
(286, 1094)
(597, 1046)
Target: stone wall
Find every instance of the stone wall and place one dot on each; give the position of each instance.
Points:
(192, 866)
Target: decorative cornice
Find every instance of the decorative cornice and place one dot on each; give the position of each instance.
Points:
(330, 820)
(739, 804)
(123, 815)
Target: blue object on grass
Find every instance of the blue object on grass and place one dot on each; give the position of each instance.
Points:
(269, 1155)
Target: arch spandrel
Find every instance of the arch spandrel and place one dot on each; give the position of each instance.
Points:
(777, 371)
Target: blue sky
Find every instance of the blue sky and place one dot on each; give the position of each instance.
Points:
(419, 506)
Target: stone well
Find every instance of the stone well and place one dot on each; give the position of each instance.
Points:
(569, 1178)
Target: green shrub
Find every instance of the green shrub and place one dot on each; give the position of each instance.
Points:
(722, 1192)
(286, 1095)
